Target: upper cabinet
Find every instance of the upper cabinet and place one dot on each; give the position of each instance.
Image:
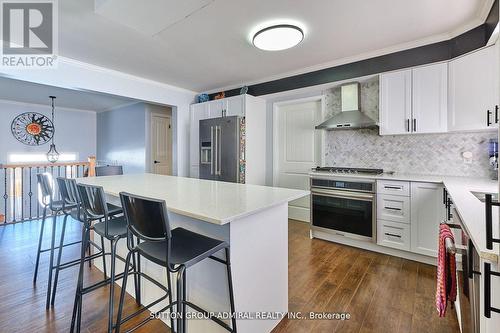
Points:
(395, 102)
(430, 98)
(473, 90)
(414, 100)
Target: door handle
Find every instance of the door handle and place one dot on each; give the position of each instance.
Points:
(496, 114)
(408, 125)
(156, 162)
(488, 114)
(414, 125)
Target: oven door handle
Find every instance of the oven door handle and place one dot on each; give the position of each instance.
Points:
(344, 194)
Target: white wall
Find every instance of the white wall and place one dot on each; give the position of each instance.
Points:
(75, 131)
(76, 75)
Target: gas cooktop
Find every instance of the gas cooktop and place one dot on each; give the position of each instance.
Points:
(349, 170)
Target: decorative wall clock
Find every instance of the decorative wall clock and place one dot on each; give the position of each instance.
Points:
(32, 128)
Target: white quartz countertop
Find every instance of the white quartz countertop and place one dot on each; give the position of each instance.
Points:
(470, 209)
(207, 200)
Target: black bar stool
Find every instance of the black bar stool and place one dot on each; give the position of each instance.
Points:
(176, 250)
(46, 186)
(112, 228)
(108, 170)
(72, 207)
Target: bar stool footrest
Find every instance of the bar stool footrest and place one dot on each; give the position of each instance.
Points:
(207, 314)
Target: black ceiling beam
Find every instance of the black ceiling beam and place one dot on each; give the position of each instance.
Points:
(441, 51)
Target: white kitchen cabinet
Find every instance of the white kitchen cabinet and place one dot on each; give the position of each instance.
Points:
(216, 108)
(395, 102)
(394, 208)
(414, 100)
(197, 112)
(235, 106)
(393, 187)
(474, 90)
(393, 234)
(426, 214)
(430, 98)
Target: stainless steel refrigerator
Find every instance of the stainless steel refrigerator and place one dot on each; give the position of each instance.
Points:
(222, 149)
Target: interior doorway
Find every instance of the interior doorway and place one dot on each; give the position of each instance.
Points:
(298, 147)
(161, 144)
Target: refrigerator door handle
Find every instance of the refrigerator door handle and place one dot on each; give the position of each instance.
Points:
(212, 150)
(219, 150)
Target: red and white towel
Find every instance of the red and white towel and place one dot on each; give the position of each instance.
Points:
(446, 289)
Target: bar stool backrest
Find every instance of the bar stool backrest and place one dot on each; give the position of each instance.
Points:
(45, 188)
(108, 170)
(146, 218)
(93, 202)
(68, 190)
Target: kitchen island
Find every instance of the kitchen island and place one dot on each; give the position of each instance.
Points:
(252, 218)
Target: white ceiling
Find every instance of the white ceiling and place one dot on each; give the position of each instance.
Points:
(27, 92)
(204, 44)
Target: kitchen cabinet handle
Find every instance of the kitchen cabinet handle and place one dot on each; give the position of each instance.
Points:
(393, 187)
(496, 114)
(392, 208)
(408, 125)
(488, 115)
(449, 202)
(444, 196)
(414, 125)
(393, 235)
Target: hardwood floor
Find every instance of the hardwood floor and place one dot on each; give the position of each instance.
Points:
(381, 293)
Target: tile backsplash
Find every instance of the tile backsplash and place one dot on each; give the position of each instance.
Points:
(430, 154)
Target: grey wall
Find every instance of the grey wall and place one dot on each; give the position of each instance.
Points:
(121, 137)
(75, 131)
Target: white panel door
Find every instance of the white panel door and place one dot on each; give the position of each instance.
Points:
(430, 98)
(395, 103)
(426, 214)
(161, 145)
(298, 150)
(473, 90)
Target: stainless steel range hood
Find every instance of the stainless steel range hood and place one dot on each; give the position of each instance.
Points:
(350, 117)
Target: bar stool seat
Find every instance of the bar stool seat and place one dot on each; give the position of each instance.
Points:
(116, 227)
(114, 210)
(187, 248)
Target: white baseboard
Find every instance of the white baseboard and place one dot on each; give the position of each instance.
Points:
(373, 247)
(299, 213)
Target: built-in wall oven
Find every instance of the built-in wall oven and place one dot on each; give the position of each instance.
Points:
(344, 206)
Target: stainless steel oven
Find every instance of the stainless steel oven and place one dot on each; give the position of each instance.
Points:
(344, 206)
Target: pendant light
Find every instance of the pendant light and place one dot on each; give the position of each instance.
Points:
(52, 154)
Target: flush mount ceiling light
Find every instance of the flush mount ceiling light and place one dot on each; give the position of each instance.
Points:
(278, 37)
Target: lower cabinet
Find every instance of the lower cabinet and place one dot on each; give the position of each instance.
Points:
(426, 215)
(410, 221)
(393, 234)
